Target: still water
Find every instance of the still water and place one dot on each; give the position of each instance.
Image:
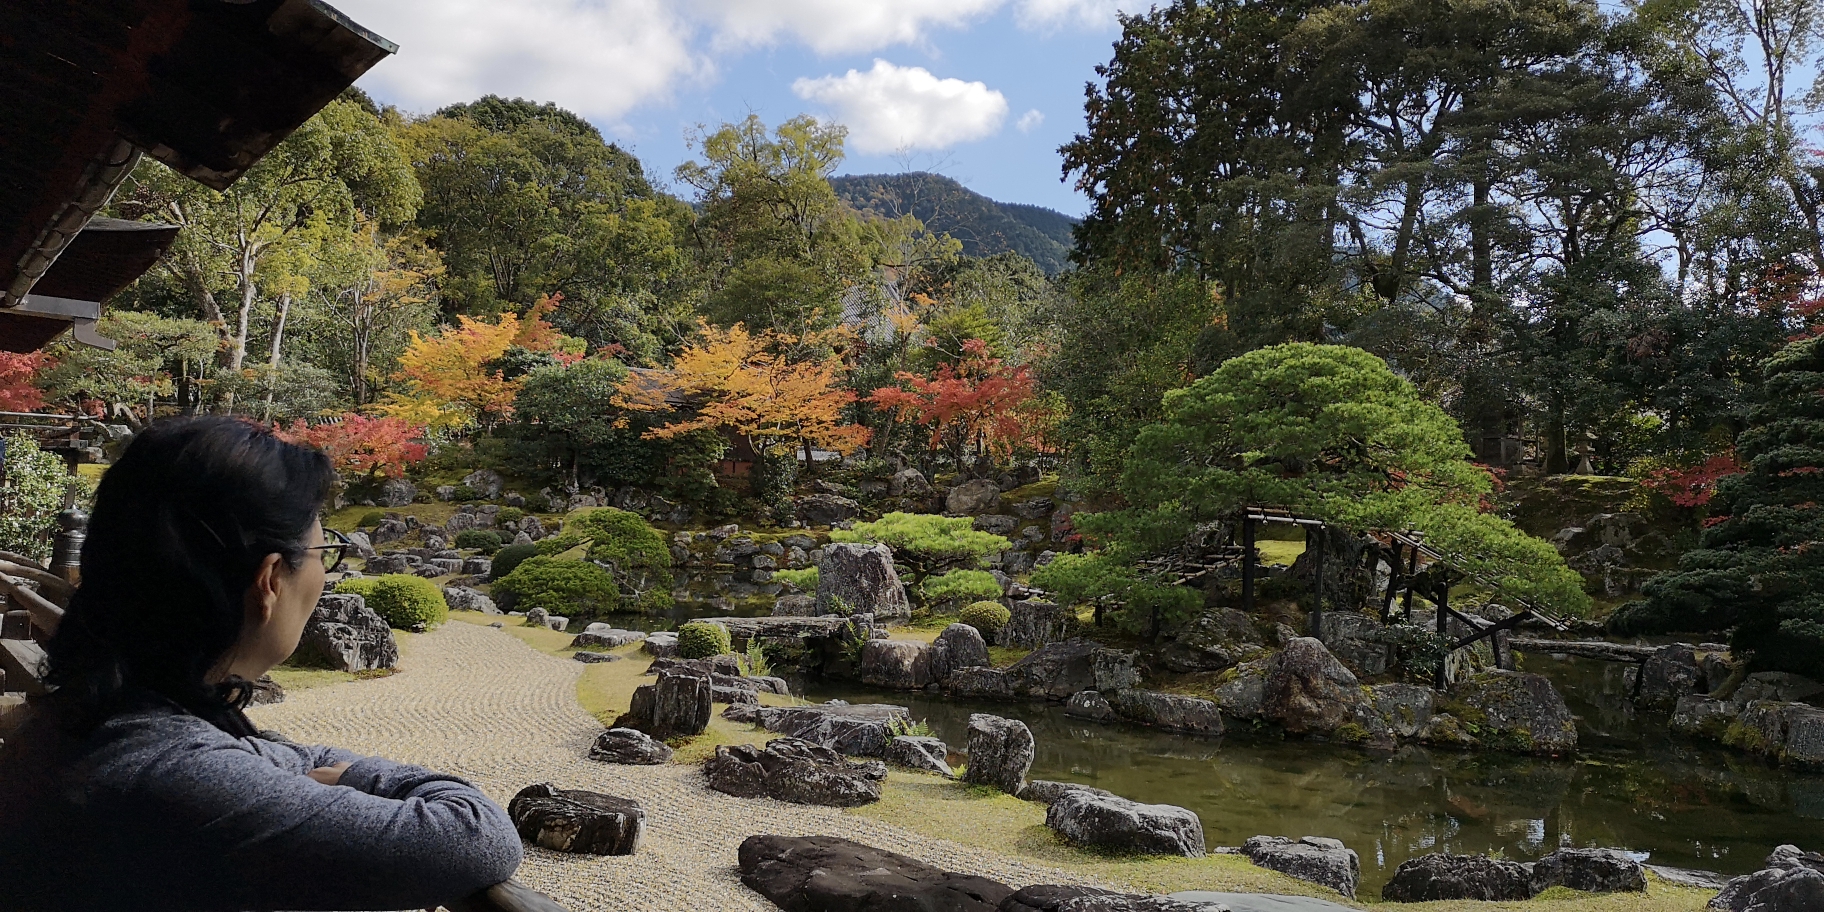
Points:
(1630, 787)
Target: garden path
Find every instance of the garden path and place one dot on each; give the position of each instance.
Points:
(479, 703)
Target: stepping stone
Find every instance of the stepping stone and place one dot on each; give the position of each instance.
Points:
(595, 658)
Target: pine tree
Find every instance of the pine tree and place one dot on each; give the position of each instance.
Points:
(1759, 567)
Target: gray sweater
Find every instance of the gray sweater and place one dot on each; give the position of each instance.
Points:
(160, 810)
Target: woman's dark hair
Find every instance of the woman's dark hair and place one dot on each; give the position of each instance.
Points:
(181, 524)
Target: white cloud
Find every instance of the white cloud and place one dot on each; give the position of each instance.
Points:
(1029, 120)
(837, 26)
(1048, 15)
(599, 58)
(890, 108)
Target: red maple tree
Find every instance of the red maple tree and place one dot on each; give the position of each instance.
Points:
(1694, 485)
(369, 448)
(17, 391)
(978, 406)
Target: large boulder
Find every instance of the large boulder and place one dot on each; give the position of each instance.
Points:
(1776, 687)
(1517, 712)
(959, 646)
(1170, 712)
(1109, 822)
(1047, 792)
(1359, 641)
(972, 498)
(629, 746)
(1000, 752)
(896, 664)
(1033, 624)
(828, 874)
(1242, 693)
(1307, 691)
(344, 634)
(981, 683)
(485, 483)
(908, 483)
(1313, 859)
(1668, 674)
(396, 492)
(1406, 707)
(1057, 670)
(1431, 878)
(797, 604)
(929, 755)
(1699, 716)
(827, 509)
(678, 704)
(1792, 881)
(566, 820)
(862, 730)
(1212, 641)
(602, 636)
(788, 769)
(861, 578)
(1589, 870)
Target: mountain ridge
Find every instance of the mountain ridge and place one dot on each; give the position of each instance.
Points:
(984, 225)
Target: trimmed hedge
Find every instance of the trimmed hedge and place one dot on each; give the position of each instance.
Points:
(623, 539)
(371, 519)
(487, 541)
(987, 618)
(702, 640)
(402, 600)
(961, 586)
(565, 587)
(510, 557)
(509, 514)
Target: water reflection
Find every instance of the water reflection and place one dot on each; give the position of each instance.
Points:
(1631, 788)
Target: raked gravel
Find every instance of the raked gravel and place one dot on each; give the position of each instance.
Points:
(481, 704)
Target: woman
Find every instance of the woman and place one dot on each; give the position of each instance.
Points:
(138, 784)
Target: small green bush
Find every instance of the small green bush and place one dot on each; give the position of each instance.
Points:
(702, 640)
(510, 557)
(371, 519)
(486, 541)
(509, 514)
(566, 587)
(463, 493)
(757, 663)
(402, 600)
(805, 580)
(961, 586)
(987, 618)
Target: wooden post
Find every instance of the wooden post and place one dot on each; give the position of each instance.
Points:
(1317, 533)
(1247, 562)
(1406, 600)
(1443, 630)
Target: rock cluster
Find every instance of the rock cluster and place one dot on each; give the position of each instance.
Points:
(566, 820)
(789, 769)
(1792, 881)
(344, 634)
(862, 730)
(1760, 717)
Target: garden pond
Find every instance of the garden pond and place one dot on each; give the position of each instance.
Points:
(1631, 786)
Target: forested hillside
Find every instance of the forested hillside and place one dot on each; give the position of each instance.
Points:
(984, 226)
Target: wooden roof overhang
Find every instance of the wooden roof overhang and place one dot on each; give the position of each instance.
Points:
(207, 87)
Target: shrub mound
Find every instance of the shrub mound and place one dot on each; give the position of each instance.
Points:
(623, 539)
(702, 640)
(487, 541)
(402, 600)
(987, 618)
(565, 587)
(509, 514)
(510, 557)
(371, 519)
(961, 586)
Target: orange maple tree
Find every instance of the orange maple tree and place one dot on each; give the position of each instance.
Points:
(977, 406)
(449, 377)
(17, 391)
(737, 381)
(370, 448)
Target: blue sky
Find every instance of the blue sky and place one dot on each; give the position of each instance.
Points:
(981, 90)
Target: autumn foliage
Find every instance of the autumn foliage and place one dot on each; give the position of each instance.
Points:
(737, 381)
(1694, 485)
(450, 382)
(17, 391)
(978, 403)
(370, 448)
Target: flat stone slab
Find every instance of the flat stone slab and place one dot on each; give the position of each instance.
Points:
(1258, 902)
(748, 628)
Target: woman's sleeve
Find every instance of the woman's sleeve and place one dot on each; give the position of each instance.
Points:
(267, 837)
(299, 758)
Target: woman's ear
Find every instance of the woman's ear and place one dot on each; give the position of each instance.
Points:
(263, 595)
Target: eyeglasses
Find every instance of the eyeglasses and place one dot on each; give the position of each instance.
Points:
(334, 553)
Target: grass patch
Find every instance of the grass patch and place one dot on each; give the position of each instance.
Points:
(1282, 553)
(984, 818)
(1003, 656)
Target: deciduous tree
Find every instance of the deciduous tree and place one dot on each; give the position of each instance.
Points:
(365, 449)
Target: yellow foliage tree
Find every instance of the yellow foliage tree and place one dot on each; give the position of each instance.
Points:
(737, 381)
(449, 384)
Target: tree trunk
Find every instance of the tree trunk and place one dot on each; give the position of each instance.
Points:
(278, 342)
(1557, 455)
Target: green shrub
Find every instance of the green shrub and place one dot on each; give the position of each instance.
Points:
(463, 493)
(625, 540)
(961, 586)
(805, 580)
(32, 489)
(402, 600)
(509, 514)
(510, 557)
(371, 519)
(486, 541)
(987, 618)
(565, 587)
(701, 640)
(927, 544)
(757, 663)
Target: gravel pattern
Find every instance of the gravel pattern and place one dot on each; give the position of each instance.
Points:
(479, 703)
